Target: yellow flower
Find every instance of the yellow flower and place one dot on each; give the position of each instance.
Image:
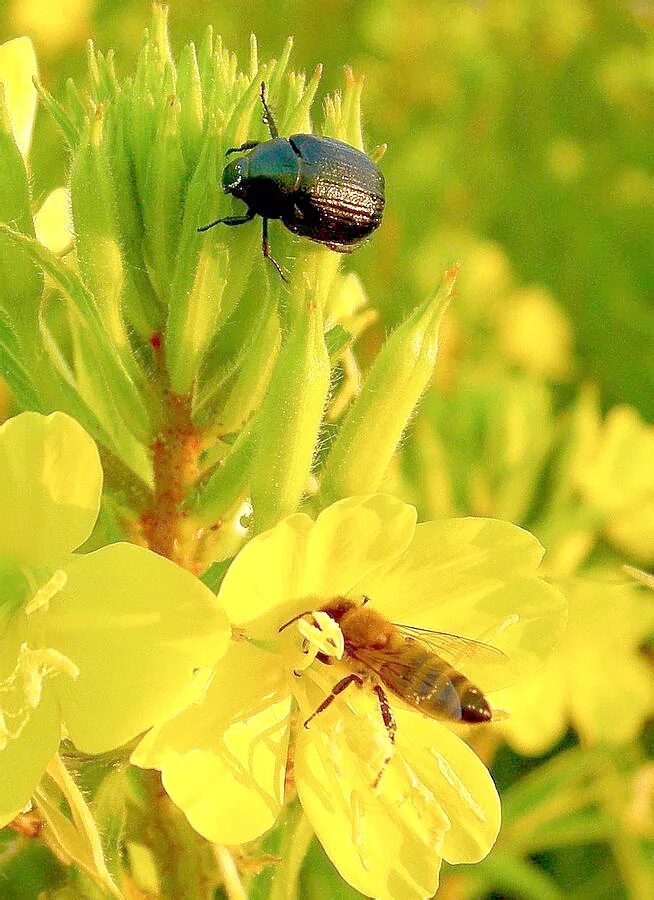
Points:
(535, 333)
(55, 25)
(18, 69)
(616, 477)
(224, 758)
(120, 630)
(596, 679)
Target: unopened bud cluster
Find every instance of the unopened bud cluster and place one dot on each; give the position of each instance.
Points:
(205, 379)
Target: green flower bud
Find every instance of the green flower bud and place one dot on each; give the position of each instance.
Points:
(98, 239)
(290, 417)
(167, 343)
(373, 427)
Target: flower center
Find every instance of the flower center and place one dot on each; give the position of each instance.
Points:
(22, 690)
(321, 636)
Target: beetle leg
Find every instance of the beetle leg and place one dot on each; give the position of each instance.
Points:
(248, 145)
(265, 246)
(338, 688)
(230, 220)
(267, 115)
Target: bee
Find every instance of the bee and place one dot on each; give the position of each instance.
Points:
(418, 666)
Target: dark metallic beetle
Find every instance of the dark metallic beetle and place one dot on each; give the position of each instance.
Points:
(320, 188)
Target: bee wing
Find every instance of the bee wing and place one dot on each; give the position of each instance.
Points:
(488, 667)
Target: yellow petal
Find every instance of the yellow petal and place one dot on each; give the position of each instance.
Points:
(632, 531)
(538, 709)
(386, 841)
(457, 779)
(29, 737)
(264, 581)
(53, 222)
(609, 706)
(619, 474)
(596, 678)
(50, 485)
(223, 759)
(475, 578)
(352, 538)
(17, 68)
(137, 626)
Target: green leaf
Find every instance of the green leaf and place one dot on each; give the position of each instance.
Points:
(74, 836)
(515, 877)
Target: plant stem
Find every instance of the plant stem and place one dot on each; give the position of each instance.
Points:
(231, 879)
(167, 526)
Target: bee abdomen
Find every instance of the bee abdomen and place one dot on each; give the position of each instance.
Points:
(440, 690)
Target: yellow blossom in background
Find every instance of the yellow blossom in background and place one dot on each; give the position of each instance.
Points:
(53, 222)
(223, 759)
(535, 333)
(596, 679)
(17, 69)
(53, 25)
(616, 477)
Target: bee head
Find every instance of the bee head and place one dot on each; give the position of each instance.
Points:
(338, 607)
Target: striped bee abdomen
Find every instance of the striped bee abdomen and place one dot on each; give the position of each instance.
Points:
(433, 686)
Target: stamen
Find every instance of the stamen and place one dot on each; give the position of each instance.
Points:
(44, 595)
(325, 635)
(22, 690)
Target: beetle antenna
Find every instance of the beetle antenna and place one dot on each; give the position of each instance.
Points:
(268, 118)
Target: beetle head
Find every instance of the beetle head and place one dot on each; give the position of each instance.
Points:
(235, 174)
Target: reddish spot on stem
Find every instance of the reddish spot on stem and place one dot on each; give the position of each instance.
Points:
(155, 340)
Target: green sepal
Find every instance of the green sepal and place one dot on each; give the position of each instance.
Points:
(164, 176)
(244, 392)
(75, 837)
(110, 373)
(199, 280)
(229, 481)
(69, 128)
(229, 350)
(375, 423)
(290, 416)
(14, 371)
(98, 238)
(189, 86)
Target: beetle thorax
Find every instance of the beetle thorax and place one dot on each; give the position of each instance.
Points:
(266, 178)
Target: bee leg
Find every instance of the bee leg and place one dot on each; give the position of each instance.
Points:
(338, 688)
(390, 725)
